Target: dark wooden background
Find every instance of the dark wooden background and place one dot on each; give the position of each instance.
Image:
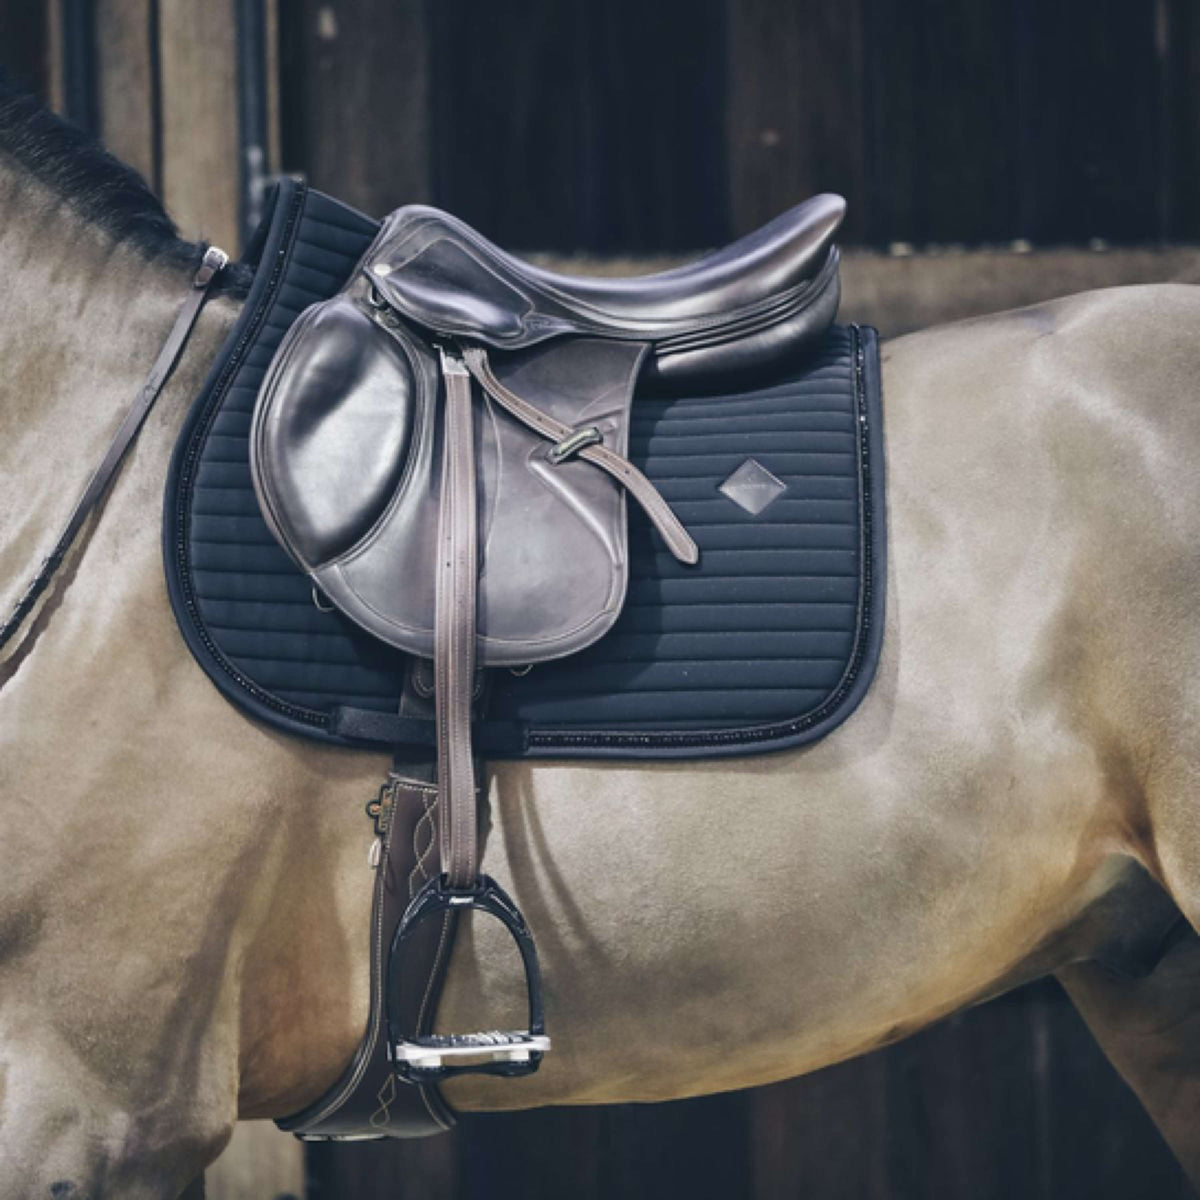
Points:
(652, 125)
(660, 126)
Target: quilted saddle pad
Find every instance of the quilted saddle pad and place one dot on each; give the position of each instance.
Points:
(770, 641)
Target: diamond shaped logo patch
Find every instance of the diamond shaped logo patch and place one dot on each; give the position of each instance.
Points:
(752, 487)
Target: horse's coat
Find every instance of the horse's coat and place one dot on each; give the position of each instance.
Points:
(184, 895)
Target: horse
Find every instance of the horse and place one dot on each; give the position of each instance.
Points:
(184, 895)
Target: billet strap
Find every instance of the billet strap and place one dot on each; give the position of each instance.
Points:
(586, 444)
(455, 628)
(211, 266)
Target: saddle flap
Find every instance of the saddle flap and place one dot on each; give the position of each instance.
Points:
(347, 466)
(330, 447)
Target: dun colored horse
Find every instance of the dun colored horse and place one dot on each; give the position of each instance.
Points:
(184, 895)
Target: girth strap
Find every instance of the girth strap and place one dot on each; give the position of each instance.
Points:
(210, 267)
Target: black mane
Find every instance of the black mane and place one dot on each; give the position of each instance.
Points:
(99, 187)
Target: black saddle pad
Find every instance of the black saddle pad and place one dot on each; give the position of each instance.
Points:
(770, 641)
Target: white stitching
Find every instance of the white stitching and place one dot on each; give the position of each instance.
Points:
(424, 1094)
(421, 854)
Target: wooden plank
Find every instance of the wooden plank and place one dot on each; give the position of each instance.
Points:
(1180, 23)
(199, 118)
(261, 1162)
(355, 100)
(688, 1148)
(556, 1153)
(822, 1135)
(555, 128)
(795, 117)
(274, 104)
(963, 1108)
(72, 75)
(25, 45)
(128, 86)
(1087, 109)
(902, 294)
(940, 155)
(697, 1147)
(657, 180)
(516, 121)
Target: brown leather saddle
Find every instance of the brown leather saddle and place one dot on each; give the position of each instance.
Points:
(441, 448)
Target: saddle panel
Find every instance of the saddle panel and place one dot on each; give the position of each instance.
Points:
(753, 304)
(346, 451)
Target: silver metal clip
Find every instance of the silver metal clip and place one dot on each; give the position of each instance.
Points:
(452, 363)
(214, 261)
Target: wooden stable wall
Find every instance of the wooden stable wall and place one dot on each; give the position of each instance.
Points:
(160, 82)
(647, 127)
(631, 125)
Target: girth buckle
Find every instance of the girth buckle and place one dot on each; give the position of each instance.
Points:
(430, 1058)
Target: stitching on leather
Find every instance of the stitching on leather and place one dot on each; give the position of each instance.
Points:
(426, 822)
(423, 1092)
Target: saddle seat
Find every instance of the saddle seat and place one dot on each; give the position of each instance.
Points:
(720, 316)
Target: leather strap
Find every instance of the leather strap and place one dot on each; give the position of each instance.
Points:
(455, 627)
(678, 540)
(211, 266)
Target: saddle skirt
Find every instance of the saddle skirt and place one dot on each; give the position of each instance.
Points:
(347, 441)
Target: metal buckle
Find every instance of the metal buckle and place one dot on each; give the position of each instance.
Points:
(214, 261)
(503, 1052)
(452, 362)
(579, 439)
(381, 309)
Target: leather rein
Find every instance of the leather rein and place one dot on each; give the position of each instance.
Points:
(211, 266)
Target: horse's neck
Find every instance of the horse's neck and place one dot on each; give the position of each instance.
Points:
(81, 321)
